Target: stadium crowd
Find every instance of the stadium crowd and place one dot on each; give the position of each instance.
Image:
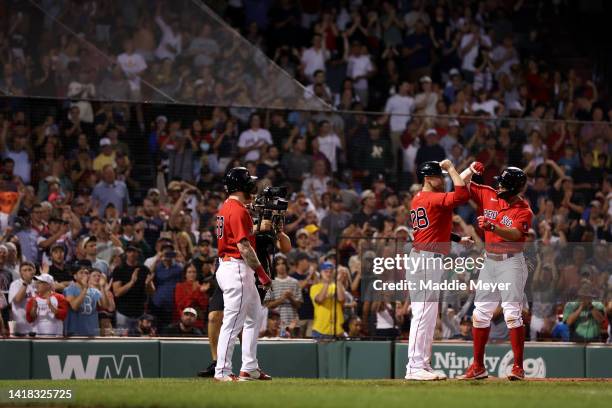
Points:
(90, 247)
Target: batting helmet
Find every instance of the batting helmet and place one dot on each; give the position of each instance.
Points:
(513, 180)
(429, 169)
(239, 179)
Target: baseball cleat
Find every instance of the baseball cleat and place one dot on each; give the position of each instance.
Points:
(439, 374)
(474, 372)
(422, 375)
(517, 374)
(209, 371)
(227, 378)
(256, 375)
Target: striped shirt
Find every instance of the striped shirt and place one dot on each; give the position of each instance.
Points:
(286, 310)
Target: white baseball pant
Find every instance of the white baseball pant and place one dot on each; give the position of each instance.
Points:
(511, 270)
(424, 304)
(242, 309)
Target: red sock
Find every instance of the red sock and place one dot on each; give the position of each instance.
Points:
(517, 339)
(481, 336)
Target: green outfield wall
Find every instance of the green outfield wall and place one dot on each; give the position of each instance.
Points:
(138, 358)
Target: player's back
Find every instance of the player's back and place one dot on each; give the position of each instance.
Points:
(233, 224)
(431, 222)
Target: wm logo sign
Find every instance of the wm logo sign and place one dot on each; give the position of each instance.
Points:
(97, 366)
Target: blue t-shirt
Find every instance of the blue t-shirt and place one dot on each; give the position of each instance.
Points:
(85, 321)
(166, 279)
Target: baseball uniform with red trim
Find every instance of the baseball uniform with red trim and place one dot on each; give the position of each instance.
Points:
(431, 216)
(242, 307)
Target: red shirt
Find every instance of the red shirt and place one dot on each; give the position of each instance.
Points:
(234, 223)
(186, 295)
(502, 214)
(431, 216)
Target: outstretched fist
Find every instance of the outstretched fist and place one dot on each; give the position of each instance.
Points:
(477, 167)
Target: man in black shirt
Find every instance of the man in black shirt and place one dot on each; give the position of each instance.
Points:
(587, 179)
(58, 268)
(131, 283)
(431, 151)
(184, 327)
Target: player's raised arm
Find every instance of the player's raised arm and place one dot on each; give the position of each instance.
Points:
(461, 194)
(474, 168)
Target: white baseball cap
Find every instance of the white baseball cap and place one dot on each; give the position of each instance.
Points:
(105, 141)
(45, 277)
(190, 310)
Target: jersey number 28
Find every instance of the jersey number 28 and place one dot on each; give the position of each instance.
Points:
(220, 223)
(419, 219)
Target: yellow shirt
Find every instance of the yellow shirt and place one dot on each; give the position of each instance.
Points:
(324, 312)
(102, 160)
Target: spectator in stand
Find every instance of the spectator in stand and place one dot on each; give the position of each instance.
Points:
(29, 235)
(336, 220)
(296, 163)
(285, 296)
(306, 276)
(316, 183)
(399, 107)
(426, 101)
(191, 293)
(132, 282)
(584, 316)
(46, 310)
(133, 65)
(106, 156)
(58, 268)
(376, 154)
(145, 327)
(105, 315)
(329, 144)
(17, 148)
(185, 327)
(90, 249)
(111, 191)
(431, 151)
(84, 300)
(254, 139)
(166, 274)
(327, 300)
(314, 58)
(20, 292)
(416, 52)
(359, 68)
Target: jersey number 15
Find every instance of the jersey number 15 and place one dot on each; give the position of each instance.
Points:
(418, 218)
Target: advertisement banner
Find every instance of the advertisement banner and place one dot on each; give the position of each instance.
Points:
(541, 361)
(91, 359)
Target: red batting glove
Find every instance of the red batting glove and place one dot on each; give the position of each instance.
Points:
(477, 167)
(263, 277)
(485, 224)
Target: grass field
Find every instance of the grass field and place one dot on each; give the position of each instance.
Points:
(288, 393)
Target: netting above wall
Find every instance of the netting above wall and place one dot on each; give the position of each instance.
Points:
(174, 52)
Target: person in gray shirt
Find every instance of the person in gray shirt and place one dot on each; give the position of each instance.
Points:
(336, 220)
(110, 190)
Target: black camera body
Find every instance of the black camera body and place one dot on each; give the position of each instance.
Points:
(272, 199)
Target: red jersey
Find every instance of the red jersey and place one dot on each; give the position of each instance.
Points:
(502, 214)
(431, 216)
(234, 223)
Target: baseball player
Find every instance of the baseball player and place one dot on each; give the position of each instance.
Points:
(506, 220)
(216, 306)
(431, 216)
(238, 266)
